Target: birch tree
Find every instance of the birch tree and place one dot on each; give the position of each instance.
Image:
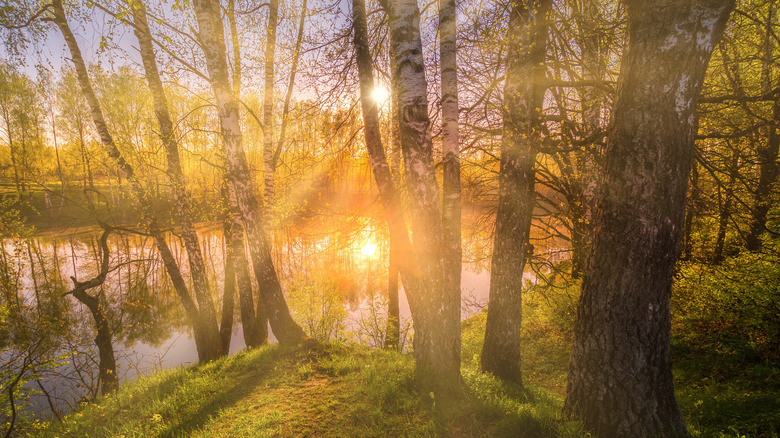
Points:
(211, 37)
(201, 314)
(424, 262)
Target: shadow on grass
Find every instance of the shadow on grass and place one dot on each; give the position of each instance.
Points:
(225, 398)
(490, 408)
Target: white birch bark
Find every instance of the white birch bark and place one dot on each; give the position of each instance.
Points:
(436, 345)
(268, 114)
(211, 36)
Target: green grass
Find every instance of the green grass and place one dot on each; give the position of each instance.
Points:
(351, 391)
(726, 391)
(324, 390)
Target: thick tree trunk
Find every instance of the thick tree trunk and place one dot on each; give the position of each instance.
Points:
(212, 40)
(620, 379)
(768, 173)
(523, 94)
(204, 322)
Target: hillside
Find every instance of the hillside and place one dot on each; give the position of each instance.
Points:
(349, 390)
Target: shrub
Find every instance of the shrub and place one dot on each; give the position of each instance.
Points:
(736, 303)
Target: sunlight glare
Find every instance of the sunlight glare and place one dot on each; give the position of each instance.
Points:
(368, 249)
(380, 94)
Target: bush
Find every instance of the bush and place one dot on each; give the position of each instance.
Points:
(736, 303)
(319, 306)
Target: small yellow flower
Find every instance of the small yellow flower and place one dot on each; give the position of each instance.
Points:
(157, 418)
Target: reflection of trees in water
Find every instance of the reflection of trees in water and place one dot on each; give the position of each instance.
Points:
(63, 368)
(336, 287)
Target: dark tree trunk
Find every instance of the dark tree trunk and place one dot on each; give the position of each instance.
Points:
(620, 378)
(726, 198)
(690, 212)
(523, 94)
(768, 173)
(109, 380)
(393, 331)
(592, 98)
(9, 132)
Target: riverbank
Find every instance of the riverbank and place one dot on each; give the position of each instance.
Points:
(349, 390)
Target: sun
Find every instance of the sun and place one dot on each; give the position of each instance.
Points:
(368, 249)
(380, 94)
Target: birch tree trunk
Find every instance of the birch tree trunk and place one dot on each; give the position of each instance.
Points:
(211, 36)
(268, 113)
(203, 319)
(229, 288)
(181, 196)
(523, 93)
(451, 199)
(620, 377)
(393, 329)
(254, 321)
(436, 345)
(290, 85)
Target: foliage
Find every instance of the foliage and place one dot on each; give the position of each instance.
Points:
(319, 306)
(734, 305)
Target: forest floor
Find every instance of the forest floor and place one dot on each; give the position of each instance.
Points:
(347, 390)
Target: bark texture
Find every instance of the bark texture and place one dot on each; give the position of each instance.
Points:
(523, 94)
(436, 345)
(620, 379)
(268, 112)
(181, 196)
(451, 197)
(211, 36)
(768, 173)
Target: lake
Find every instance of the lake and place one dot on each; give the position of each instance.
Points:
(332, 269)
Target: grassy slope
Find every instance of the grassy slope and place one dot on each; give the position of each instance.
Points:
(338, 390)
